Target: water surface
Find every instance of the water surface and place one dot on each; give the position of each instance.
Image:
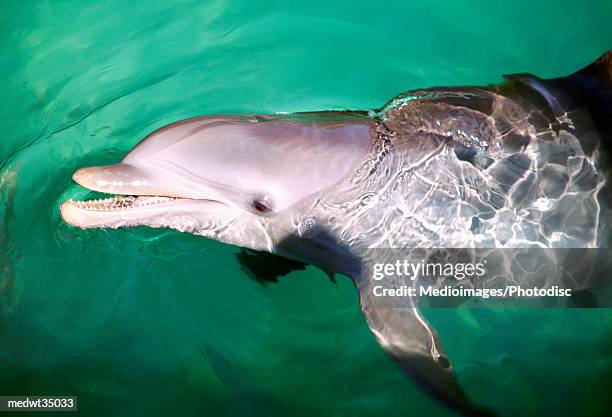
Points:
(153, 322)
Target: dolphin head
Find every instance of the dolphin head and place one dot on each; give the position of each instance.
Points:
(238, 179)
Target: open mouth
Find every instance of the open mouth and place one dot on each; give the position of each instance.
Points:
(134, 200)
(120, 210)
(137, 196)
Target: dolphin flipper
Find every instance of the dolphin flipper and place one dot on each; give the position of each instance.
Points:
(414, 345)
(266, 267)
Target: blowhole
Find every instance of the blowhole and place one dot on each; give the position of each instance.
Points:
(464, 153)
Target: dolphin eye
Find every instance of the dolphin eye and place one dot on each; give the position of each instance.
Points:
(262, 205)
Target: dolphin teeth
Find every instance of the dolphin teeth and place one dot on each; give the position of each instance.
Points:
(123, 202)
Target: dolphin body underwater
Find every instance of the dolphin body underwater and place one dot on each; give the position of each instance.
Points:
(517, 164)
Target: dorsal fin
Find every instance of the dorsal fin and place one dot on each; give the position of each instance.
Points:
(591, 87)
(588, 90)
(266, 267)
(599, 72)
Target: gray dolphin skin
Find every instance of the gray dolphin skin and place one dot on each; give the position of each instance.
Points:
(524, 163)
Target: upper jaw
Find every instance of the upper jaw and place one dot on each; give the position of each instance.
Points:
(126, 179)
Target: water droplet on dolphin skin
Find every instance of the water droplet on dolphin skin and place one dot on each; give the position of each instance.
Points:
(308, 228)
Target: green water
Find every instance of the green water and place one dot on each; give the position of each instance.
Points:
(155, 323)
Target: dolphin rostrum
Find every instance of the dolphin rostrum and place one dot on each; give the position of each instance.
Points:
(523, 163)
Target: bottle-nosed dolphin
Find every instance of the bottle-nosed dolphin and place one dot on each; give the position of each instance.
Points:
(522, 163)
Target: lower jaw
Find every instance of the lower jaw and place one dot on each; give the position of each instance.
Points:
(114, 212)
